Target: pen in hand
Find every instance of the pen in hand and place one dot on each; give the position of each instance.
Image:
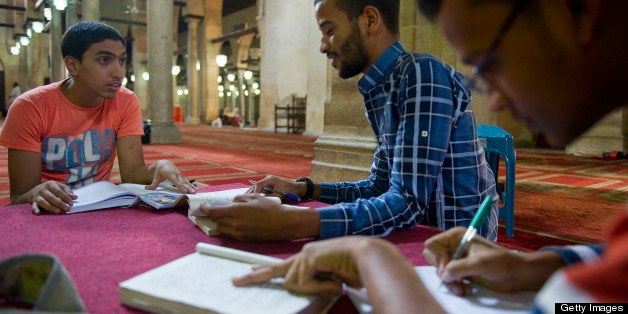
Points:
(191, 181)
(476, 223)
(287, 195)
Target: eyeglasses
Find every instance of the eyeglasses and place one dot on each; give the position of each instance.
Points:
(477, 82)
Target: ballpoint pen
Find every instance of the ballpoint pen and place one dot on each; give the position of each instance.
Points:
(476, 223)
(287, 195)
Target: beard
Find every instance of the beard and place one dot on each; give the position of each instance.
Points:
(354, 57)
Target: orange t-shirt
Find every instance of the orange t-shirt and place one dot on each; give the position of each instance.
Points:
(77, 145)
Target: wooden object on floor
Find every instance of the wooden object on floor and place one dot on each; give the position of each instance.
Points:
(291, 115)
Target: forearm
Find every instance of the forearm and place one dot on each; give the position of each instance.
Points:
(538, 267)
(306, 223)
(22, 198)
(337, 192)
(392, 283)
(140, 174)
(377, 216)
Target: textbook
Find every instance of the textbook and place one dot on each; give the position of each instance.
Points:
(105, 194)
(483, 300)
(201, 283)
(213, 199)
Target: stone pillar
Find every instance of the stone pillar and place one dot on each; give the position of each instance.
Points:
(23, 67)
(604, 136)
(56, 59)
(34, 64)
(91, 10)
(160, 47)
(286, 27)
(71, 13)
(241, 104)
(212, 26)
(345, 150)
(194, 87)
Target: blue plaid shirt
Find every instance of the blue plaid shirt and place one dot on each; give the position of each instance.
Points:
(429, 167)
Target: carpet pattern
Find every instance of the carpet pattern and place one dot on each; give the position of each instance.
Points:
(559, 198)
(572, 197)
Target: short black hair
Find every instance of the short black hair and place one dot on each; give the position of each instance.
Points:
(80, 36)
(389, 10)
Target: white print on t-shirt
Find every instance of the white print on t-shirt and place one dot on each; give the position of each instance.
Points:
(78, 156)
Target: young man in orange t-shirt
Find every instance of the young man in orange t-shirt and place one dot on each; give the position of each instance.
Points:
(67, 134)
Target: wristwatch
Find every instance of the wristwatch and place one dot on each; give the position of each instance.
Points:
(309, 185)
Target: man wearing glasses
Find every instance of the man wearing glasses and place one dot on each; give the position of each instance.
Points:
(559, 66)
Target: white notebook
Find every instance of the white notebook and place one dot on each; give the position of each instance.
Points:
(483, 301)
(201, 283)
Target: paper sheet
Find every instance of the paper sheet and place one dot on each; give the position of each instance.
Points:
(204, 281)
(483, 301)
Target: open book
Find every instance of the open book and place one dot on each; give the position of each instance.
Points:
(483, 301)
(104, 194)
(213, 199)
(201, 283)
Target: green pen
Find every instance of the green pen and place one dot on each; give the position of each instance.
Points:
(476, 223)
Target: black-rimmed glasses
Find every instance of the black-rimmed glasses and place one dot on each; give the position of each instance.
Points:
(477, 82)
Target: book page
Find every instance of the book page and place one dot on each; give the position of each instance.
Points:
(105, 194)
(236, 255)
(483, 301)
(203, 281)
(218, 198)
(102, 194)
(161, 200)
(213, 198)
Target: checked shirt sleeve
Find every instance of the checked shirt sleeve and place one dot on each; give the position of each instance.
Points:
(577, 253)
(413, 118)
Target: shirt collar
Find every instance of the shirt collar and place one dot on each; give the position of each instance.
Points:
(381, 68)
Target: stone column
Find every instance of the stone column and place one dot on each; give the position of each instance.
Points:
(241, 104)
(91, 10)
(23, 67)
(345, 150)
(34, 64)
(212, 28)
(71, 13)
(287, 53)
(194, 87)
(604, 136)
(160, 47)
(56, 59)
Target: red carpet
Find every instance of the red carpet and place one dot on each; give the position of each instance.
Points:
(568, 196)
(560, 199)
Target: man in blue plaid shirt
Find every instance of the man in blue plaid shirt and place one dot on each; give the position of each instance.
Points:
(429, 167)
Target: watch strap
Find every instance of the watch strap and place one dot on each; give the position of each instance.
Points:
(309, 186)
